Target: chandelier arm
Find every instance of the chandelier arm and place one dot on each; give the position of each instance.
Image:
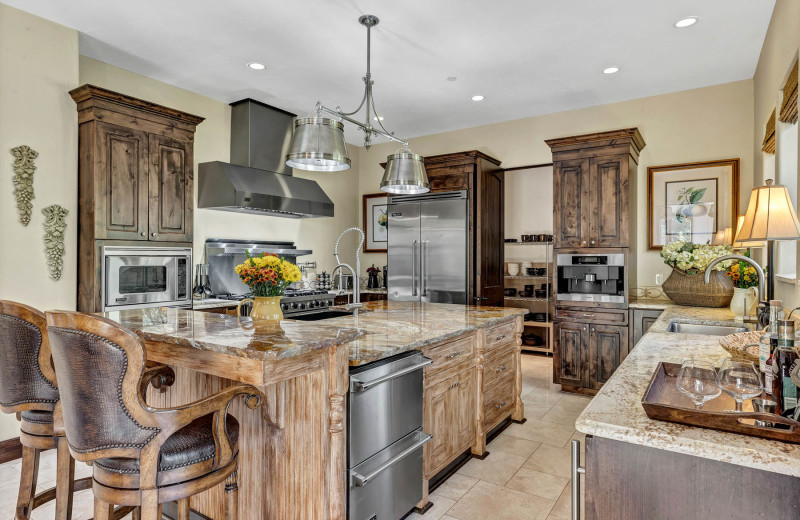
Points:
(375, 110)
(360, 106)
(361, 125)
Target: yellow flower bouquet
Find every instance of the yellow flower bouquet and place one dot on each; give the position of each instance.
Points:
(743, 275)
(267, 275)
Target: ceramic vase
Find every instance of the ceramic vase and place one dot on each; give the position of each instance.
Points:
(265, 308)
(744, 301)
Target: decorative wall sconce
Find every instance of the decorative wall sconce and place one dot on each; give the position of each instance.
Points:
(23, 180)
(54, 226)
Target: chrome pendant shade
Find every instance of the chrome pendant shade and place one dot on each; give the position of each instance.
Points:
(405, 174)
(318, 145)
(318, 142)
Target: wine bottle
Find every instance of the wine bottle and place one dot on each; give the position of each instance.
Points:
(784, 360)
(769, 339)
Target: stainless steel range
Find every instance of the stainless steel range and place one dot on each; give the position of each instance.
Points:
(223, 255)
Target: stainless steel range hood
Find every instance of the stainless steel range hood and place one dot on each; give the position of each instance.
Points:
(257, 179)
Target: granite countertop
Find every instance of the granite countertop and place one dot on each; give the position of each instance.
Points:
(382, 329)
(616, 411)
(649, 304)
(213, 303)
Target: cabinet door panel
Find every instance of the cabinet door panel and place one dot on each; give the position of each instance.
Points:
(171, 191)
(610, 222)
(570, 202)
(121, 183)
(571, 345)
(608, 346)
(463, 406)
(490, 255)
(436, 422)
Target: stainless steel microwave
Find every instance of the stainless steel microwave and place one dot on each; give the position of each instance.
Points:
(141, 277)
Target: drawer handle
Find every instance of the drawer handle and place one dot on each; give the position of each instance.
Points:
(498, 338)
(362, 480)
(500, 404)
(501, 368)
(454, 385)
(454, 355)
(588, 315)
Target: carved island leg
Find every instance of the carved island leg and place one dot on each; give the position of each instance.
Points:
(338, 381)
(518, 415)
(231, 497)
(479, 447)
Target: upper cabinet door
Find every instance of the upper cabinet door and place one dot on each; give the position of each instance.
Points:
(171, 189)
(571, 203)
(120, 183)
(609, 221)
(489, 256)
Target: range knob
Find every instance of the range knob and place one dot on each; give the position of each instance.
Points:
(285, 306)
(301, 306)
(293, 305)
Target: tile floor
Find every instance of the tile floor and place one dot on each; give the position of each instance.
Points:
(525, 477)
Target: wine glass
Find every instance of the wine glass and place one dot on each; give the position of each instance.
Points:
(698, 381)
(740, 380)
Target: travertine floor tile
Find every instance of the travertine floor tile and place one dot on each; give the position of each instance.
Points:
(455, 487)
(489, 501)
(513, 445)
(537, 483)
(440, 507)
(551, 460)
(546, 432)
(497, 468)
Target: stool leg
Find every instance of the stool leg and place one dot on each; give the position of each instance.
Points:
(232, 497)
(27, 483)
(183, 509)
(150, 508)
(103, 510)
(137, 514)
(65, 483)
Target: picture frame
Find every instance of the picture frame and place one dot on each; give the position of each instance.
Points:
(376, 222)
(691, 201)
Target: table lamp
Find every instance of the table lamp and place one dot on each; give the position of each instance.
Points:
(770, 216)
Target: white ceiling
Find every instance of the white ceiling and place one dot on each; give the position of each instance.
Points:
(527, 57)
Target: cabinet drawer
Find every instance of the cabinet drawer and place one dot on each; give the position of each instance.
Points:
(593, 316)
(448, 355)
(498, 367)
(500, 335)
(498, 400)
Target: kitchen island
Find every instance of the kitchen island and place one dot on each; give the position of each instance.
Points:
(637, 467)
(292, 460)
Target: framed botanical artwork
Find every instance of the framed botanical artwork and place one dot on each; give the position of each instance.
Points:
(692, 201)
(376, 222)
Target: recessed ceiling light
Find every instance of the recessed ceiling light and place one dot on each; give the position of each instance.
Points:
(451, 78)
(378, 118)
(686, 22)
(256, 66)
(611, 70)
(477, 98)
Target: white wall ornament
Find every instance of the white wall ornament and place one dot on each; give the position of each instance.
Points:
(54, 226)
(23, 180)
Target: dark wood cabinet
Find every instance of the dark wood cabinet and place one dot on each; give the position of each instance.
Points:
(608, 346)
(135, 178)
(588, 354)
(482, 177)
(640, 321)
(572, 362)
(594, 180)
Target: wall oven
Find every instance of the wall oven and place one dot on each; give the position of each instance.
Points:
(590, 278)
(140, 277)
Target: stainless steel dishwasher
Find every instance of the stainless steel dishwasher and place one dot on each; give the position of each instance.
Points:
(385, 437)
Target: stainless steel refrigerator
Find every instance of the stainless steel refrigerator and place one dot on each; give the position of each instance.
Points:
(428, 247)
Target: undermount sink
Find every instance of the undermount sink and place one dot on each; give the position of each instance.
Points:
(709, 330)
(320, 315)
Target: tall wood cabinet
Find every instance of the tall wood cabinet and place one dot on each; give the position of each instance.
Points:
(135, 178)
(594, 211)
(481, 176)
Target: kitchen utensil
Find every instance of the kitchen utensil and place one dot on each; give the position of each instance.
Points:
(510, 291)
(543, 237)
(698, 381)
(764, 406)
(740, 380)
(198, 281)
(539, 316)
(206, 286)
(532, 340)
(525, 265)
(511, 240)
(525, 294)
(540, 293)
(529, 288)
(513, 269)
(535, 271)
(525, 238)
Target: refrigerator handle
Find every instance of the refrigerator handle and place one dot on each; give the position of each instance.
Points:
(414, 268)
(423, 268)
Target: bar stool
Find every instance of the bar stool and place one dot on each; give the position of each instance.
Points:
(28, 388)
(141, 456)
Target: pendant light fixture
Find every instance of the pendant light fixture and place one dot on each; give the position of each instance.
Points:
(318, 142)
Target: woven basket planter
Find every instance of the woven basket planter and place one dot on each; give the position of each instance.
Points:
(690, 289)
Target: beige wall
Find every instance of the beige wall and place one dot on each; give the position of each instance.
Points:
(38, 66)
(780, 48)
(212, 143)
(694, 125)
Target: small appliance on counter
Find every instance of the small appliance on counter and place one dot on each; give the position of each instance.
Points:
(591, 278)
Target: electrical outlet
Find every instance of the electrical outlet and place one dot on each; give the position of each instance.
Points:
(659, 279)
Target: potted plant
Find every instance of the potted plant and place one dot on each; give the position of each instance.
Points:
(745, 294)
(268, 276)
(685, 285)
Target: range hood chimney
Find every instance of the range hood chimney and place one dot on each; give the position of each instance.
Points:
(257, 179)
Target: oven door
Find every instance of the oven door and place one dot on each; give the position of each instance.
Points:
(137, 279)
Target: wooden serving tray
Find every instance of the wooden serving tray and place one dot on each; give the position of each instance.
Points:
(664, 402)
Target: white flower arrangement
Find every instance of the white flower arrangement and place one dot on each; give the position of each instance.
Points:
(694, 258)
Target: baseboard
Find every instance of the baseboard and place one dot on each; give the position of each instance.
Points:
(10, 449)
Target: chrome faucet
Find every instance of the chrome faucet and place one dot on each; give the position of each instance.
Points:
(762, 302)
(356, 303)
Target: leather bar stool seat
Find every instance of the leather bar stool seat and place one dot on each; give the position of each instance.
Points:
(186, 454)
(37, 416)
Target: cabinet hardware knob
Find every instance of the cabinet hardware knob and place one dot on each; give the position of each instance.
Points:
(501, 368)
(584, 242)
(592, 242)
(500, 404)
(143, 233)
(498, 338)
(153, 234)
(454, 355)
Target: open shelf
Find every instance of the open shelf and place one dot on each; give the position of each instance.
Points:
(528, 243)
(544, 324)
(525, 277)
(525, 299)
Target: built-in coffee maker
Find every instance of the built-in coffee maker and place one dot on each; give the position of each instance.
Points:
(590, 278)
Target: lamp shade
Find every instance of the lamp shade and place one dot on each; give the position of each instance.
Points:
(770, 216)
(405, 174)
(723, 237)
(738, 244)
(318, 145)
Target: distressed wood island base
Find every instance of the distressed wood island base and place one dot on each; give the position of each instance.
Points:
(292, 459)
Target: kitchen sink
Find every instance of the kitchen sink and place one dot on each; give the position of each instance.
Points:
(709, 330)
(320, 315)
